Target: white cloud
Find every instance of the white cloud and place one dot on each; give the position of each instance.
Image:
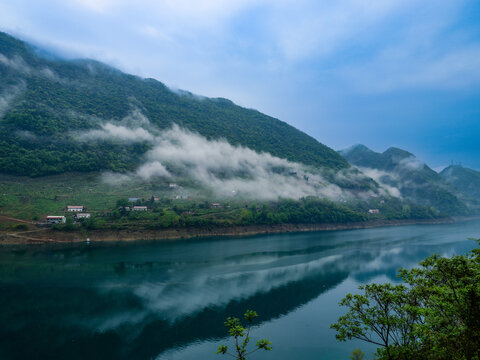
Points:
(99, 6)
(8, 96)
(194, 44)
(153, 169)
(117, 132)
(309, 28)
(411, 163)
(384, 179)
(15, 63)
(217, 165)
(129, 129)
(405, 68)
(223, 168)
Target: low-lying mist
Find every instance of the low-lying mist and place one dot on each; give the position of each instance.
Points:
(8, 95)
(224, 169)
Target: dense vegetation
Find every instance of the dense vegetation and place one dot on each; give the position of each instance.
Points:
(415, 180)
(435, 314)
(47, 99)
(165, 214)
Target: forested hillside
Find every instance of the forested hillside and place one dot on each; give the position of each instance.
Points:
(414, 179)
(466, 181)
(44, 100)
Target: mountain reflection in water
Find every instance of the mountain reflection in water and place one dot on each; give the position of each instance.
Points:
(143, 300)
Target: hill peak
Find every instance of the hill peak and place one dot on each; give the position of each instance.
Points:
(394, 152)
(355, 148)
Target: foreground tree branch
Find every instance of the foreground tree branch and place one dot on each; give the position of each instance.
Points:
(435, 314)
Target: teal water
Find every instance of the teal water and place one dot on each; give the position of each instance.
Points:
(168, 300)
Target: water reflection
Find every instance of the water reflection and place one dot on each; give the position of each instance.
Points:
(141, 300)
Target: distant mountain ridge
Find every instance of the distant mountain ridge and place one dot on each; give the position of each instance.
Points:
(464, 180)
(414, 179)
(44, 99)
(360, 155)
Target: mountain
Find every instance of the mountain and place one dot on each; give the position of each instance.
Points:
(465, 180)
(362, 156)
(400, 170)
(45, 100)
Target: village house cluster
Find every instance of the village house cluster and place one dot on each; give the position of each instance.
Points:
(79, 212)
(79, 215)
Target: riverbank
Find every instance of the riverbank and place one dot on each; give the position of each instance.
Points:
(48, 235)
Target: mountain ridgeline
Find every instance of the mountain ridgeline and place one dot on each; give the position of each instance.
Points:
(44, 99)
(414, 180)
(466, 182)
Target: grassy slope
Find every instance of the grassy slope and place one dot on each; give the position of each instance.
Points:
(30, 198)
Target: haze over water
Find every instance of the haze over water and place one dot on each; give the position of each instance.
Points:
(168, 300)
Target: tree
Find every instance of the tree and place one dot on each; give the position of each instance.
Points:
(357, 354)
(69, 224)
(122, 203)
(434, 315)
(241, 337)
(169, 219)
(20, 227)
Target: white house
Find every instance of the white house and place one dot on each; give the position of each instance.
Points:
(139, 208)
(75, 208)
(178, 197)
(53, 219)
(82, 216)
(373, 211)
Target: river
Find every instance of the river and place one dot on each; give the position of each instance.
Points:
(167, 300)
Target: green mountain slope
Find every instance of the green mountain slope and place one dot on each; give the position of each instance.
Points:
(414, 179)
(465, 180)
(44, 99)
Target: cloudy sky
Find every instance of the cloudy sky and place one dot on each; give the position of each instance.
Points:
(379, 72)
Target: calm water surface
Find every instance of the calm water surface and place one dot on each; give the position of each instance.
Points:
(168, 300)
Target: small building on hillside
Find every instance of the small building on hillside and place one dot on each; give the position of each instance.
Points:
(373, 211)
(139, 208)
(215, 205)
(81, 216)
(173, 185)
(178, 197)
(54, 219)
(75, 208)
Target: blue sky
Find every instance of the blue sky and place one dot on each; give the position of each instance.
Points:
(383, 73)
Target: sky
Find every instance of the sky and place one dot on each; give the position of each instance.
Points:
(381, 73)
